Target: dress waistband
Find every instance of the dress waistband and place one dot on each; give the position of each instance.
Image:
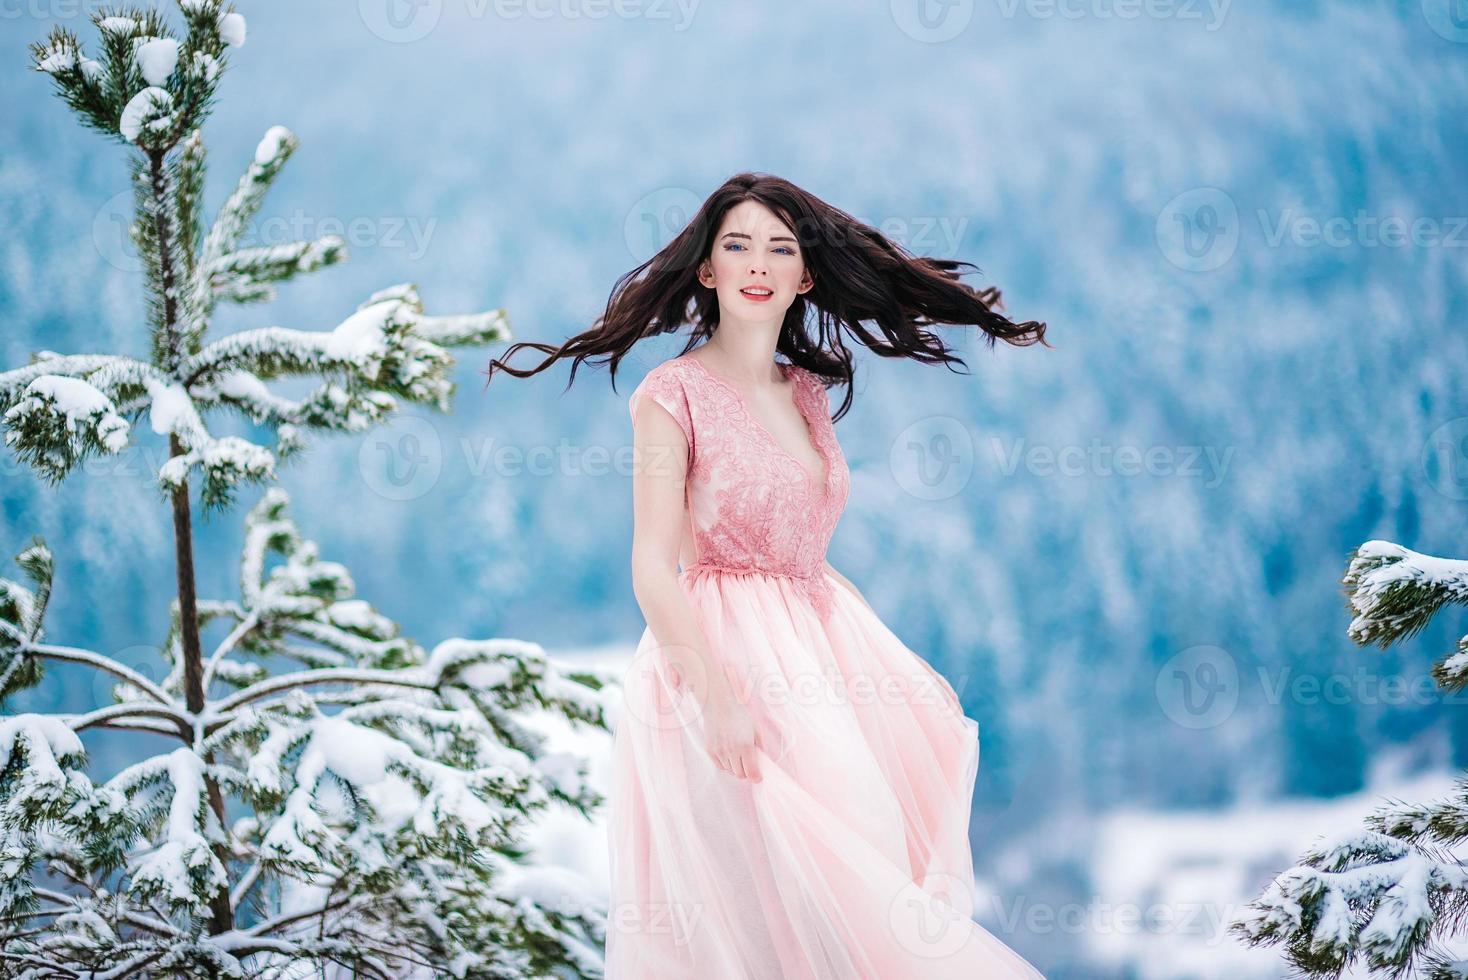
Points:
(815, 584)
(711, 566)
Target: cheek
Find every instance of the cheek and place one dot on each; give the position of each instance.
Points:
(726, 264)
(789, 277)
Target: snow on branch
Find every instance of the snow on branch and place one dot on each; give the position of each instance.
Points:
(381, 346)
(245, 276)
(1394, 592)
(1362, 893)
(182, 870)
(54, 420)
(243, 203)
(40, 743)
(1386, 894)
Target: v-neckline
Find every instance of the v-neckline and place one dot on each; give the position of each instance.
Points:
(815, 443)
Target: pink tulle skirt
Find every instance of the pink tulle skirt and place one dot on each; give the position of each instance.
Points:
(849, 860)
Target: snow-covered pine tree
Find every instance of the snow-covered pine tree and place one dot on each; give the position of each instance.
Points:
(336, 795)
(380, 815)
(1393, 894)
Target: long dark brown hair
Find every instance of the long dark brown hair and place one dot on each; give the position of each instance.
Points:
(860, 275)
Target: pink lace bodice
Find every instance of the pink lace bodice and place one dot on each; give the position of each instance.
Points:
(750, 506)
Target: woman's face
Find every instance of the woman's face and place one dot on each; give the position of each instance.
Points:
(752, 250)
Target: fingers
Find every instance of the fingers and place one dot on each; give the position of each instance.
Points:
(742, 763)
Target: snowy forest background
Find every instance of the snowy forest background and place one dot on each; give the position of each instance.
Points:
(1144, 184)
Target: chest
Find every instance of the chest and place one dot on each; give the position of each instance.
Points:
(776, 417)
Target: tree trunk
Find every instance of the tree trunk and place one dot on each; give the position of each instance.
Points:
(221, 915)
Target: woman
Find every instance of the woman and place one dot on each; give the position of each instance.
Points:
(791, 784)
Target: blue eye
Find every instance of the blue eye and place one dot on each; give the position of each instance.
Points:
(783, 248)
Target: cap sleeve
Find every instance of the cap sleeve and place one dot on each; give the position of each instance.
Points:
(664, 385)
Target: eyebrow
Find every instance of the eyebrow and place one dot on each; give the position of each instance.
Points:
(740, 234)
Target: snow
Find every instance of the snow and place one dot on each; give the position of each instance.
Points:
(563, 769)
(271, 143)
(1200, 869)
(206, 64)
(78, 403)
(228, 455)
(72, 397)
(561, 838)
(553, 888)
(141, 108)
(46, 739)
(241, 455)
(157, 57)
(171, 409)
(362, 756)
(232, 29)
(358, 615)
(59, 59)
(1378, 569)
(360, 337)
(92, 70)
(243, 385)
(1401, 912)
(187, 772)
(117, 25)
(184, 852)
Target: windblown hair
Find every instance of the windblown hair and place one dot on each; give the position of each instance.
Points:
(859, 275)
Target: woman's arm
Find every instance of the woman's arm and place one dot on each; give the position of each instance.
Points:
(846, 582)
(660, 453)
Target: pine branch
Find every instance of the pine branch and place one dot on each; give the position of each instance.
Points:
(1383, 894)
(1394, 592)
(103, 663)
(308, 678)
(251, 267)
(270, 156)
(117, 714)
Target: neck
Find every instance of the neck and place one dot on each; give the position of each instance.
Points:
(743, 353)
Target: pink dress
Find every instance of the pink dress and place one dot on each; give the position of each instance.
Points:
(850, 859)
